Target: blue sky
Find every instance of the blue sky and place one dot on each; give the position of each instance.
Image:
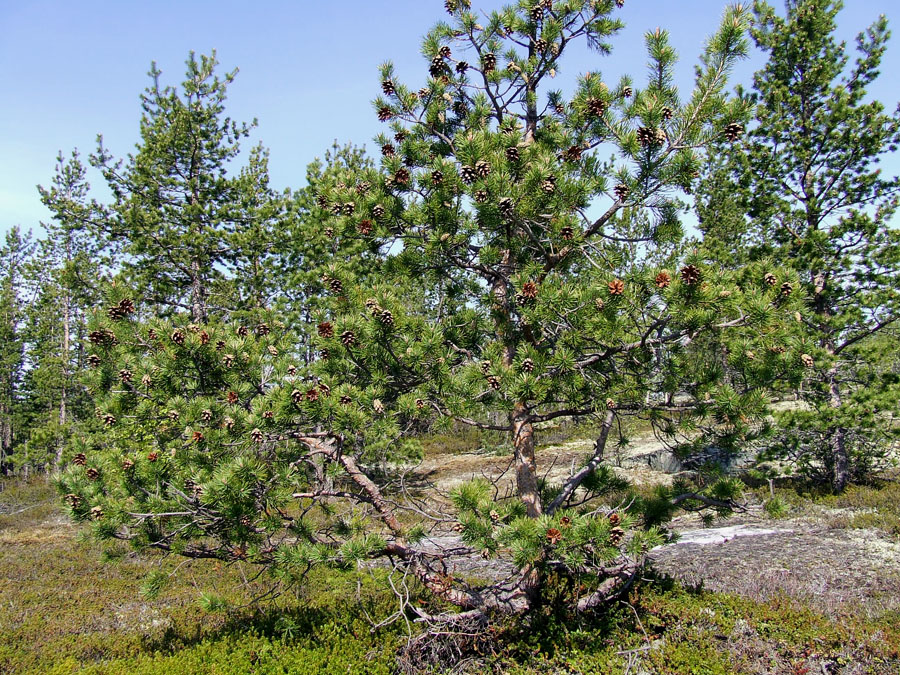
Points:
(308, 71)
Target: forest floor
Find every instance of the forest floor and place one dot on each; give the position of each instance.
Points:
(816, 590)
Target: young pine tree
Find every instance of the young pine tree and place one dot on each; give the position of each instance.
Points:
(180, 221)
(805, 189)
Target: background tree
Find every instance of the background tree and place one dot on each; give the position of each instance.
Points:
(64, 280)
(805, 189)
(13, 257)
(179, 221)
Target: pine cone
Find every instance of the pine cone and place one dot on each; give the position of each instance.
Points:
(808, 361)
(616, 535)
(573, 154)
(92, 473)
(402, 176)
(467, 173)
(536, 13)
(73, 500)
(324, 389)
(614, 519)
(560, 108)
(787, 288)
(529, 290)
(621, 191)
(296, 396)
(232, 397)
(378, 406)
(777, 349)
(733, 131)
(437, 177)
(292, 370)
(437, 67)
(206, 415)
(109, 420)
(667, 113)
(444, 52)
(103, 336)
(256, 436)
(528, 365)
(567, 232)
(152, 335)
(93, 361)
(597, 106)
(770, 279)
(197, 437)
(541, 45)
(488, 62)
(324, 354)
(485, 367)
(663, 280)
(388, 150)
(126, 375)
(462, 67)
(387, 86)
(263, 329)
(610, 404)
(96, 512)
(348, 338)
(512, 154)
(204, 337)
(599, 304)
(548, 185)
(480, 196)
(345, 400)
(494, 382)
(228, 423)
(228, 360)
(691, 274)
(651, 137)
(80, 459)
(365, 227)
(336, 286)
(243, 331)
(385, 113)
(420, 404)
(386, 318)
(482, 169)
(325, 329)
(627, 92)
(177, 337)
(554, 536)
(423, 93)
(173, 415)
(146, 380)
(377, 211)
(362, 188)
(506, 207)
(616, 287)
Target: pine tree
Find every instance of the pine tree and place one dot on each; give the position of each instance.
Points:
(13, 257)
(211, 440)
(178, 214)
(806, 187)
(64, 280)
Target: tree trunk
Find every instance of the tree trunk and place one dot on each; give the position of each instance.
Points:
(840, 457)
(65, 378)
(198, 294)
(526, 472)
